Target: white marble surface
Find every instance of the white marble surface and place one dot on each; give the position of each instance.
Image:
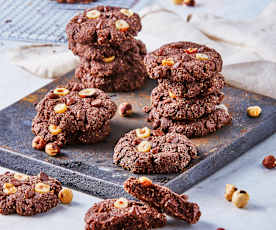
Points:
(245, 172)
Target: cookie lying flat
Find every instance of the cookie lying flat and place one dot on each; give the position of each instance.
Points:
(198, 128)
(162, 199)
(28, 195)
(146, 151)
(103, 25)
(73, 114)
(180, 108)
(115, 214)
(183, 62)
(194, 89)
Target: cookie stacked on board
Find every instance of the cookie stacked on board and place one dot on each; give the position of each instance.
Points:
(188, 97)
(104, 39)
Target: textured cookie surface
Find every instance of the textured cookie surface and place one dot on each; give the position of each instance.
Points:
(100, 28)
(163, 200)
(85, 120)
(169, 153)
(22, 197)
(133, 216)
(177, 62)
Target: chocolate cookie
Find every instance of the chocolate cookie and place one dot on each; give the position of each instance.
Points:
(169, 106)
(198, 128)
(28, 195)
(163, 199)
(183, 62)
(194, 89)
(101, 53)
(103, 25)
(146, 151)
(73, 114)
(124, 214)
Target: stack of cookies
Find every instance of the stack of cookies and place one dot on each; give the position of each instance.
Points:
(111, 58)
(188, 97)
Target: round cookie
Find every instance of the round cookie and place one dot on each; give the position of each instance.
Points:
(198, 128)
(23, 197)
(183, 62)
(152, 152)
(103, 25)
(123, 214)
(193, 89)
(80, 115)
(181, 108)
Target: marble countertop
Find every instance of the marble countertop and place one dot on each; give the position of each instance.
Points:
(246, 172)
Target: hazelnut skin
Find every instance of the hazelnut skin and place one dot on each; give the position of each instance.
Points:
(38, 143)
(269, 162)
(125, 109)
(240, 198)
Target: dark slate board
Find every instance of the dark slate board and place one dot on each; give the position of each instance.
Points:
(90, 169)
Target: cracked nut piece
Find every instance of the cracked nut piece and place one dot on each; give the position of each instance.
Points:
(172, 95)
(20, 176)
(109, 59)
(189, 2)
(9, 188)
(229, 190)
(52, 149)
(202, 57)
(240, 198)
(143, 133)
(144, 147)
(93, 14)
(144, 181)
(60, 108)
(178, 2)
(269, 162)
(38, 143)
(167, 62)
(61, 91)
(127, 12)
(87, 92)
(122, 25)
(254, 111)
(54, 130)
(125, 109)
(191, 50)
(42, 188)
(121, 203)
(65, 195)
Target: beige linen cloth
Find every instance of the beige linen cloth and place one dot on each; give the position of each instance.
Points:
(248, 48)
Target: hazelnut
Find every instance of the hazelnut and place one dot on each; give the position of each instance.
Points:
(54, 130)
(178, 2)
(60, 108)
(127, 12)
(93, 14)
(189, 2)
(144, 147)
(109, 59)
(125, 109)
(269, 162)
(52, 149)
(9, 188)
(42, 188)
(240, 198)
(167, 62)
(65, 195)
(38, 143)
(229, 190)
(172, 95)
(144, 181)
(87, 92)
(122, 25)
(20, 176)
(254, 111)
(202, 57)
(143, 133)
(220, 229)
(121, 203)
(61, 91)
(191, 50)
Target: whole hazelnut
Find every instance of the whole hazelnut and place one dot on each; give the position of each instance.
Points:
(125, 109)
(52, 149)
(240, 198)
(254, 111)
(178, 2)
(229, 190)
(189, 2)
(269, 162)
(65, 195)
(38, 143)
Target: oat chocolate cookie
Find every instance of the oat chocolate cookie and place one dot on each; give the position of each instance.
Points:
(73, 114)
(107, 52)
(103, 25)
(169, 106)
(113, 214)
(183, 62)
(147, 151)
(163, 199)
(198, 128)
(193, 89)
(28, 195)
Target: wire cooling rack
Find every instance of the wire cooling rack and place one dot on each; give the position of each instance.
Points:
(45, 20)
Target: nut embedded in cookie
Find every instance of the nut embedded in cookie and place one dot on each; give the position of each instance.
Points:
(42, 188)
(54, 129)
(87, 92)
(168, 62)
(9, 188)
(144, 147)
(202, 57)
(61, 91)
(20, 176)
(122, 25)
(60, 108)
(127, 12)
(109, 59)
(121, 203)
(93, 14)
(143, 133)
(144, 181)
